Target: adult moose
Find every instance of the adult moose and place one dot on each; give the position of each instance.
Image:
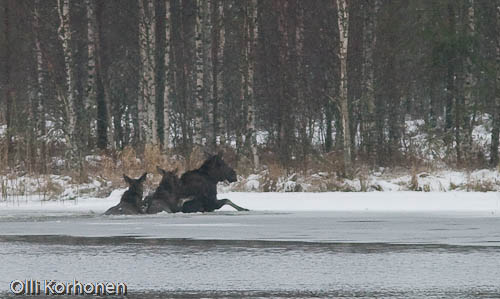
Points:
(131, 201)
(165, 198)
(201, 184)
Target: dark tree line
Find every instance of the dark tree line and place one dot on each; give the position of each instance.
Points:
(312, 77)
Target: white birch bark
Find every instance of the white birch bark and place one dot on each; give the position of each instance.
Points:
(343, 23)
(368, 97)
(497, 81)
(166, 95)
(220, 55)
(241, 131)
(496, 104)
(252, 33)
(90, 92)
(470, 80)
(39, 72)
(198, 75)
(208, 92)
(64, 32)
(147, 88)
(497, 92)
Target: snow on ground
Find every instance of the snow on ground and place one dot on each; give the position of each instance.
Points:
(438, 181)
(78, 205)
(274, 201)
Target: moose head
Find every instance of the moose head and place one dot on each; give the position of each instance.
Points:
(170, 180)
(135, 185)
(218, 170)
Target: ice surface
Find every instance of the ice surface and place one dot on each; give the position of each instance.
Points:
(262, 254)
(327, 201)
(301, 245)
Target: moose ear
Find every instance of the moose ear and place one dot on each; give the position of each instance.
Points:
(127, 179)
(143, 177)
(160, 170)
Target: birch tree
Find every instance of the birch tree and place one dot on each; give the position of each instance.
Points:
(166, 94)
(147, 86)
(68, 99)
(496, 103)
(368, 97)
(251, 37)
(90, 91)
(40, 81)
(219, 120)
(216, 49)
(198, 74)
(470, 81)
(208, 87)
(343, 23)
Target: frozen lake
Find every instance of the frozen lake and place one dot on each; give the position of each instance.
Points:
(260, 254)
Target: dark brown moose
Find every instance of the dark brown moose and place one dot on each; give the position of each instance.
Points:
(166, 196)
(201, 184)
(131, 201)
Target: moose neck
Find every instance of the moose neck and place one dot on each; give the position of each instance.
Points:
(208, 172)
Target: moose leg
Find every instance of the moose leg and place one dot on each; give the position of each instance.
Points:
(225, 201)
(182, 201)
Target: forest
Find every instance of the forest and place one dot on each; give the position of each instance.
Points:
(329, 85)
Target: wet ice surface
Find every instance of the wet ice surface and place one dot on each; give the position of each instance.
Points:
(260, 254)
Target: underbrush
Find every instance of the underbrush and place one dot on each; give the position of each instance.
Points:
(424, 163)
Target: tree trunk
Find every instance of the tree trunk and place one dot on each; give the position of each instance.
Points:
(208, 92)
(40, 99)
(496, 104)
(368, 97)
(104, 127)
(450, 78)
(8, 90)
(251, 37)
(218, 114)
(343, 22)
(282, 82)
(166, 94)
(215, 51)
(68, 99)
(199, 60)
(90, 92)
(147, 82)
(470, 81)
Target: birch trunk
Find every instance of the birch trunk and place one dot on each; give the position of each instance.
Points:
(40, 100)
(208, 91)
(469, 82)
(496, 104)
(343, 23)
(368, 97)
(252, 33)
(147, 88)
(450, 78)
(220, 120)
(198, 75)
(68, 99)
(8, 93)
(166, 94)
(90, 92)
(284, 57)
(301, 98)
(213, 116)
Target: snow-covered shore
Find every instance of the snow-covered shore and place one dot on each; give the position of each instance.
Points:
(275, 201)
